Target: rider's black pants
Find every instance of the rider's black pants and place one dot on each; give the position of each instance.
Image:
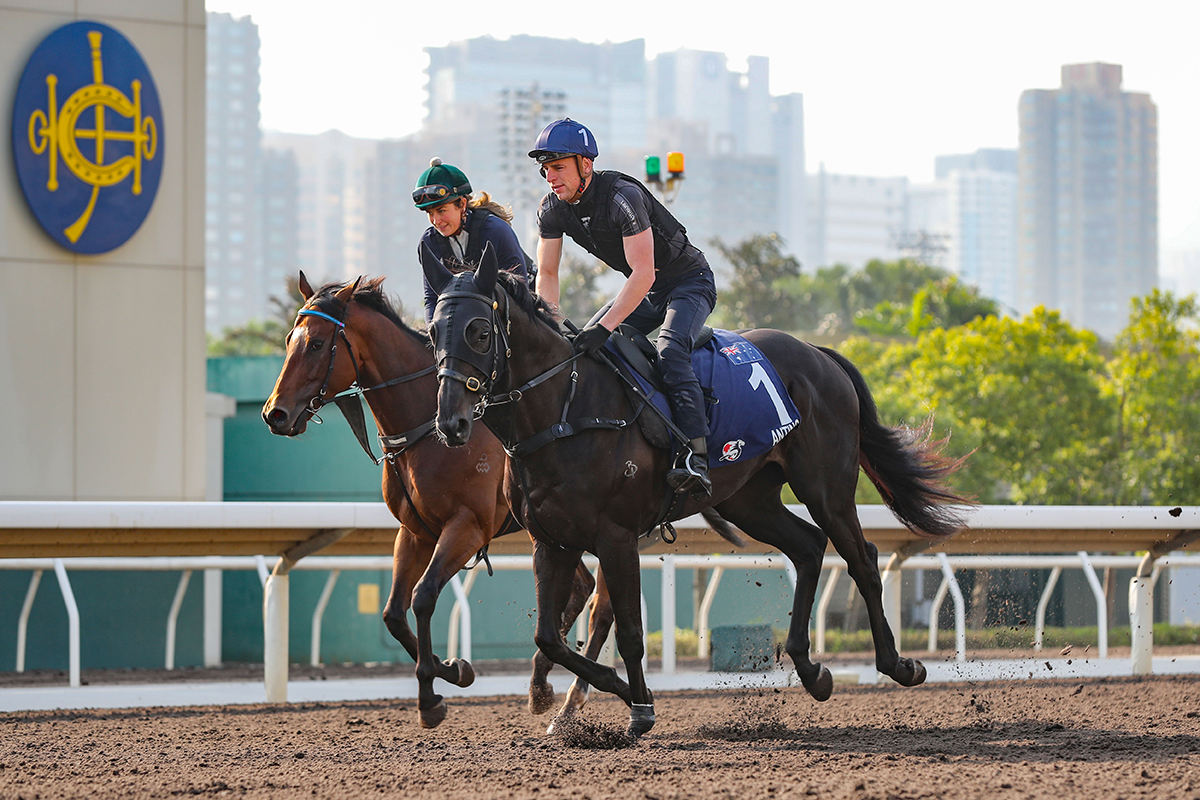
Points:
(681, 308)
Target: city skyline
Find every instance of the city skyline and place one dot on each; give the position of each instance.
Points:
(863, 88)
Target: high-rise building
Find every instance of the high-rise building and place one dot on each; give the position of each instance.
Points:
(235, 289)
(330, 201)
(855, 218)
(1087, 195)
(488, 98)
(744, 148)
(971, 207)
(279, 188)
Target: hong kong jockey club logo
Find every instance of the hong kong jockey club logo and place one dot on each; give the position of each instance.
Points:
(87, 137)
(732, 451)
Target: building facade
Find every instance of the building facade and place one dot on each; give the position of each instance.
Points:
(235, 284)
(855, 218)
(1087, 194)
(102, 353)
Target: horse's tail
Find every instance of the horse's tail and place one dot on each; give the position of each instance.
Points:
(906, 465)
(724, 527)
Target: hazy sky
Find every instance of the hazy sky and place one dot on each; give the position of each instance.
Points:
(887, 85)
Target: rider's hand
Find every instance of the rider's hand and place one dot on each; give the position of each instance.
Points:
(591, 338)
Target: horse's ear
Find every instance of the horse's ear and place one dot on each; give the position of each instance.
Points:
(346, 292)
(306, 290)
(485, 275)
(435, 271)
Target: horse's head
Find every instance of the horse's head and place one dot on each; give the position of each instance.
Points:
(312, 373)
(469, 343)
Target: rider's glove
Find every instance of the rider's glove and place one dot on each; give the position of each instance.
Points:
(591, 338)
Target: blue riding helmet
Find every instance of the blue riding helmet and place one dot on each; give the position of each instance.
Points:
(563, 138)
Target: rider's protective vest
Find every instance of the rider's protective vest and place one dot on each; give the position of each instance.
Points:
(603, 240)
(475, 242)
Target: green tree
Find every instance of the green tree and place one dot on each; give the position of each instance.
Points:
(942, 303)
(579, 294)
(1155, 380)
(1026, 396)
(758, 294)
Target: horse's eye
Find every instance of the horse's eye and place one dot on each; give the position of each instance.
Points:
(478, 335)
(316, 344)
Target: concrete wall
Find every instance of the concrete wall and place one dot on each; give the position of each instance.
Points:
(102, 363)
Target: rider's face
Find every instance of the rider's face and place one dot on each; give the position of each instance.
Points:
(564, 178)
(447, 218)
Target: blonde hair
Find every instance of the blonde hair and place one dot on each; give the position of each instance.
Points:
(485, 201)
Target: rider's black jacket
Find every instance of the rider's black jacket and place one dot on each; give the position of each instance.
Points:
(613, 207)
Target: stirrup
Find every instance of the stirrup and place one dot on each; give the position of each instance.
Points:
(689, 479)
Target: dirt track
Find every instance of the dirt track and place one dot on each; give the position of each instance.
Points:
(1096, 739)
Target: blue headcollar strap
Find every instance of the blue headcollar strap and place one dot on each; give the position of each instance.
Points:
(312, 312)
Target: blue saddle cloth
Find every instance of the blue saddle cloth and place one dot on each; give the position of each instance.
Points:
(753, 411)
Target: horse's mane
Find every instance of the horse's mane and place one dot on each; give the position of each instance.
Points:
(370, 294)
(527, 301)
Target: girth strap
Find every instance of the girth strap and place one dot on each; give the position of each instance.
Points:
(561, 430)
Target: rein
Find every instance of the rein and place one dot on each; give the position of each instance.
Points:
(357, 421)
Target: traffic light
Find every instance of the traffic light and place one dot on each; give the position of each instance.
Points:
(653, 169)
(675, 165)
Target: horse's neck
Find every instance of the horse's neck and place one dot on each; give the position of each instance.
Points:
(390, 353)
(537, 348)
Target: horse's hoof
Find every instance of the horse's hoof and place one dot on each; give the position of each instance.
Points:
(432, 717)
(541, 698)
(820, 687)
(566, 715)
(918, 674)
(641, 719)
(466, 673)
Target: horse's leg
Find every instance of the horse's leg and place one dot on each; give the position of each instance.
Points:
(410, 556)
(619, 559)
(757, 509)
(600, 622)
(541, 693)
(461, 538)
(838, 517)
(553, 570)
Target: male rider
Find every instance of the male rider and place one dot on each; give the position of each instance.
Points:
(667, 280)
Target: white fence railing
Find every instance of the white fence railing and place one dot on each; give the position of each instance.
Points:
(459, 635)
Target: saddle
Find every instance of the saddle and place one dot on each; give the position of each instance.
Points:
(638, 355)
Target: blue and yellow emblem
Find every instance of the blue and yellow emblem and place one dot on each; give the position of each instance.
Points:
(87, 137)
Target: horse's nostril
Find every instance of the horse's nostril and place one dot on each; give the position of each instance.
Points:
(277, 417)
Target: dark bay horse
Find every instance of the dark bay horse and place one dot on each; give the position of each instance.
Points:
(450, 502)
(500, 351)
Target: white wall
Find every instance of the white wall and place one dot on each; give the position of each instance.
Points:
(102, 364)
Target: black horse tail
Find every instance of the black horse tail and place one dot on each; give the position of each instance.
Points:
(906, 465)
(724, 527)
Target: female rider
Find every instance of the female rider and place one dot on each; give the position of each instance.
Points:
(460, 225)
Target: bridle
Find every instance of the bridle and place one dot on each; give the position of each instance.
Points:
(336, 314)
(476, 307)
(494, 362)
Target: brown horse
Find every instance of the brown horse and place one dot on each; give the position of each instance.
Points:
(449, 502)
(598, 483)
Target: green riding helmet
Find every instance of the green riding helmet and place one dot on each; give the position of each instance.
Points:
(439, 183)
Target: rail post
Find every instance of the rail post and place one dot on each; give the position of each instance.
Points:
(1141, 618)
(275, 633)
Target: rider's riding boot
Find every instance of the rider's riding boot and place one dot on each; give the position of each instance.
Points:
(693, 475)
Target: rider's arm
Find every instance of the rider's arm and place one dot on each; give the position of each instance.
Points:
(639, 252)
(549, 255)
